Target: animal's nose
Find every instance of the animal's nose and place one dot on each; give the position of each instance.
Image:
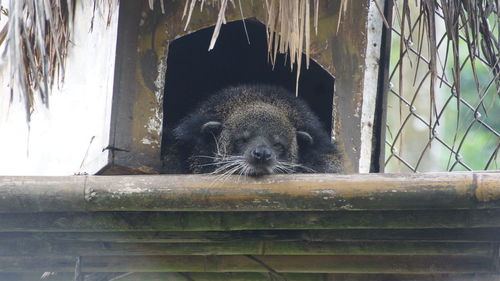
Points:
(262, 153)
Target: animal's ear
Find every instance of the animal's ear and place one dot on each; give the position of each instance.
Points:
(211, 127)
(191, 128)
(304, 138)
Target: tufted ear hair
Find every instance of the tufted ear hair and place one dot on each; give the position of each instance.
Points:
(195, 126)
(211, 127)
(304, 138)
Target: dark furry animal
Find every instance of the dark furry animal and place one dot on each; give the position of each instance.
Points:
(251, 130)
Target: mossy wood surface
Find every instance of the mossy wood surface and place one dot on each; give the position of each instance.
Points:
(337, 235)
(226, 221)
(367, 227)
(293, 264)
(277, 193)
(60, 248)
(237, 276)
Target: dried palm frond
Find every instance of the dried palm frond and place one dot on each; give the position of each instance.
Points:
(442, 40)
(3, 29)
(287, 24)
(36, 45)
(288, 30)
(3, 33)
(107, 5)
(466, 21)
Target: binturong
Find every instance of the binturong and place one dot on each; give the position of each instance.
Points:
(251, 130)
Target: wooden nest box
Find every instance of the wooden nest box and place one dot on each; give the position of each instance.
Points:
(163, 71)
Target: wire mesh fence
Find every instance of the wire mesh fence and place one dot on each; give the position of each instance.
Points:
(443, 104)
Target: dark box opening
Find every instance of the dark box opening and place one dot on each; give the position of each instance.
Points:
(193, 73)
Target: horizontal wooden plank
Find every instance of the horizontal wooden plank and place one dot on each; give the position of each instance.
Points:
(223, 221)
(59, 248)
(293, 264)
(232, 276)
(432, 234)
(312, 192)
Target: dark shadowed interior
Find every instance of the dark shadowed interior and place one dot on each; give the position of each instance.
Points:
(194, 73)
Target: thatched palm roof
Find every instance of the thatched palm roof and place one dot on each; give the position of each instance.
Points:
(38, 34)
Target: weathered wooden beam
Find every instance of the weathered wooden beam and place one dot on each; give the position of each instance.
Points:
(432, 234)
(292, 264)
(59, 248)
(231, 276)
(305, 277)
(223, 221)
(274, 193)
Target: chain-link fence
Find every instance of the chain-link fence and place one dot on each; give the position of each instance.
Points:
(443, 104)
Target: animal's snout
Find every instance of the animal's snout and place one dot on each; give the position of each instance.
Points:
(262, 154)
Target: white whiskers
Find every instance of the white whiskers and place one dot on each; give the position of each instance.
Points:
(225, 165)
(283, 167)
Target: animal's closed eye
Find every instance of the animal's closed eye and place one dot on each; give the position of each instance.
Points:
(241, 141)
(278, 147)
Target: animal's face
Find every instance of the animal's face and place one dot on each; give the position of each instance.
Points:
(256, 141)
(262, 146)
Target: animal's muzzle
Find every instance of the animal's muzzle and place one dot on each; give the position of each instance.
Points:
(262, 154)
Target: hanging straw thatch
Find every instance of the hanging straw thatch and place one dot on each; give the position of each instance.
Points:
(287, 25)
(470, 21)
(3, 30)
(36, 45)
(448, 65)
(38, 34)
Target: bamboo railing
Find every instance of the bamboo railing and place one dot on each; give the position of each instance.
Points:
(290, 227)
(325, 192)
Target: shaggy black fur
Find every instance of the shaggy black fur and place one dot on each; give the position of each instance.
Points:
(190, 144)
